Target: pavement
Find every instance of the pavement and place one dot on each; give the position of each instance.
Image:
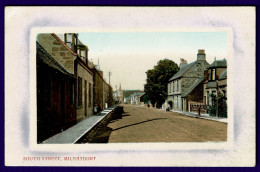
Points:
(202, 116)
(74, 133)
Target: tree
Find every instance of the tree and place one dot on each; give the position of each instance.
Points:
(222, 105)
(157, 80)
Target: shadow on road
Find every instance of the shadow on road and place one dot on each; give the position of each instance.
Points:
(138, 123)
(101, 132)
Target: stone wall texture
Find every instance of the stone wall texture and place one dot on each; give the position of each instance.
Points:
(86, 109)
(60, 53)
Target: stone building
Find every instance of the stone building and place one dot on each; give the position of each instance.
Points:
(68, 84)
(127, 100)
(186, 86)
(135, 98)
(98, 87)
(64, 49)
(216, 72)
(56, 108)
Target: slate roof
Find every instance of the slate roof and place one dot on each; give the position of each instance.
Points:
(223, 75)
(137, 94)
(192, 87)
(218, 63)
(182, 71)
(44, 57)
(211, 84)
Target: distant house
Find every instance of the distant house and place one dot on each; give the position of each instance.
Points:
(215, 75)
(127, 100)
(135, 98)
(186, 86)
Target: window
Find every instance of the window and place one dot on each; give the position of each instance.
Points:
(173, 86)
(177, 86)
(213, 74)
(75, 40)
(89, 94)
(79, 91)
(82, 54)
(68, 39)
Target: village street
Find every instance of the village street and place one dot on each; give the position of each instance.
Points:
(142, 124)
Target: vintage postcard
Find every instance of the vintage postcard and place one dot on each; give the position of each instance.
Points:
(102, 86)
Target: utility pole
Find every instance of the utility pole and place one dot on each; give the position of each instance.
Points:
(109, 74)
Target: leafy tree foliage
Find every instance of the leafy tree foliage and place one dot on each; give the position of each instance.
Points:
(157, 80)
(222, 105)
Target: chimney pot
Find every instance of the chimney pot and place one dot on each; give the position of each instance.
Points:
(201, 54)
(183, 63)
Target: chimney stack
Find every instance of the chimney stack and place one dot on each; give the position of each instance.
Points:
(201, 55)
(183, 63)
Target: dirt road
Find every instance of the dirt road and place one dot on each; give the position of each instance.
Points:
(142, 124)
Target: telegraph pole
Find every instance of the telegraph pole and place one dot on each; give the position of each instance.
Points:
(109, 74)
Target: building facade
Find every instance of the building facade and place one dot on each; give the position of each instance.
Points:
(215, 88)
(68, 84)
(56, 108)
(215, 78)
(135, 98)
(186, 86)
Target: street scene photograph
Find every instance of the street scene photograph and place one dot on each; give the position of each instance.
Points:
(131, 87)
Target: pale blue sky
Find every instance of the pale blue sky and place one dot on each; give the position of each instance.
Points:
(129, 54)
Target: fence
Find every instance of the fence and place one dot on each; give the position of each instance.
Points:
(203, 107)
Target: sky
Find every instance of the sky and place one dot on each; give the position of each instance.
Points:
(128, 55)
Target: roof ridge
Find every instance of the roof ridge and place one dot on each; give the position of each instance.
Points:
(51, 58)
(63, 43)
(192, 87)
(186, 67)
